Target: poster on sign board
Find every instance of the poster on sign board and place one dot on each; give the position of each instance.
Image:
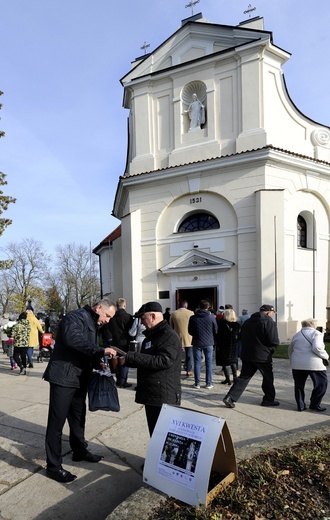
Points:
(184, 448)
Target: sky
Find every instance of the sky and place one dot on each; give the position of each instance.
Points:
(61, 62)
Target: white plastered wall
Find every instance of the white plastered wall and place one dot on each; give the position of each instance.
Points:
(219, 242)
(306, 270)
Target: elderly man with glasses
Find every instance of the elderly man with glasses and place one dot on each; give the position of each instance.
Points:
(158, 364)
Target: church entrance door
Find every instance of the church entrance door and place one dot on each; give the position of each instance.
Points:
(194, 296)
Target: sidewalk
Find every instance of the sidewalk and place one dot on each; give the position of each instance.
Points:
(113, 488)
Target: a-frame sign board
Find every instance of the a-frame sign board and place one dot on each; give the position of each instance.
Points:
(190, 455)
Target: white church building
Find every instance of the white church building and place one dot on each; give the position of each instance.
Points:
(226, 190)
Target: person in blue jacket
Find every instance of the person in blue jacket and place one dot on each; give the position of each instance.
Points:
(203, 328)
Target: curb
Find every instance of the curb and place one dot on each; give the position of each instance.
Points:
(140, 505)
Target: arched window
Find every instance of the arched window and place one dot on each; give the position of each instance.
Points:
(301, 232)
(198, 222)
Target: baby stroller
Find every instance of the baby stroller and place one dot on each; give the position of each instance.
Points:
(46, 346)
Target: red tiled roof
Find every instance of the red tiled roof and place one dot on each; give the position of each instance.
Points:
(116, 233)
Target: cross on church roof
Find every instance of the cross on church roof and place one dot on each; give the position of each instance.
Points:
(249, 10)
(144, 47)
(192, 4)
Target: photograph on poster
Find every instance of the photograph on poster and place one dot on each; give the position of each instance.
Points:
(180, 450)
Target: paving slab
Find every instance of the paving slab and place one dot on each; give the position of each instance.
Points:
(114, 489)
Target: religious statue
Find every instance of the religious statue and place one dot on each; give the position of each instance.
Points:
(196, 112)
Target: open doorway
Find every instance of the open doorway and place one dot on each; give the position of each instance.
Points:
(194, 296)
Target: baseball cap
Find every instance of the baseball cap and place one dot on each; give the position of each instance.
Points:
(148, 307)
(267, 308)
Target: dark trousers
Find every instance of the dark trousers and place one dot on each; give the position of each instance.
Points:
(65, 403)
(121, 374)
(20, 356)
(152, 414)
(247, 372)
(320, 385)
(233, 371)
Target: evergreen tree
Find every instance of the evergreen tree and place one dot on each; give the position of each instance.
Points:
(5, 200)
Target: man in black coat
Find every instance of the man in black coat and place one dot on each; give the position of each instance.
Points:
(118, 328)
(158, 364)
(76, 353)
(259, 337)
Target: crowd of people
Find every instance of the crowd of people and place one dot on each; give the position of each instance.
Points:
(20, 338)
(159, 345)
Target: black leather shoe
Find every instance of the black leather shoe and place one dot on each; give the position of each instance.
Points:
(318, 408)
(270, 403)
(229, 402)
(301, 409)
(61, 475)
(87, 456)
(126, 385)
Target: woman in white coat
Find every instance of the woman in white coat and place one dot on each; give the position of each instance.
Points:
(306, 353)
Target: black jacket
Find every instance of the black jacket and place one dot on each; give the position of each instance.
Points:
(226, 342)
(76, 349)
(116, 331)
(158, 366)
(259, 336)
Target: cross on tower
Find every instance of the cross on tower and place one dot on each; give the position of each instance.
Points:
(144, 47)
(249, 10)
(192, 4)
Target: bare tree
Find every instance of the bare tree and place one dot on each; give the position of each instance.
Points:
(28, 271)
(77, 275)
(7, 293)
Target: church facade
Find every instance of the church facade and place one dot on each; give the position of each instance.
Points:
(226, 191)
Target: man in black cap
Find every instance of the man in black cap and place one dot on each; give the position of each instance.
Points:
(259, 337)
(158, 364)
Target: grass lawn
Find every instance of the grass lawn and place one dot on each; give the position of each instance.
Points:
(281, 351)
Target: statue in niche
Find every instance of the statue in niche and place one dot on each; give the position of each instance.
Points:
(196, 113)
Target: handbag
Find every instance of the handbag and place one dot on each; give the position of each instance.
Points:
(102, 392)
(324, 361)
